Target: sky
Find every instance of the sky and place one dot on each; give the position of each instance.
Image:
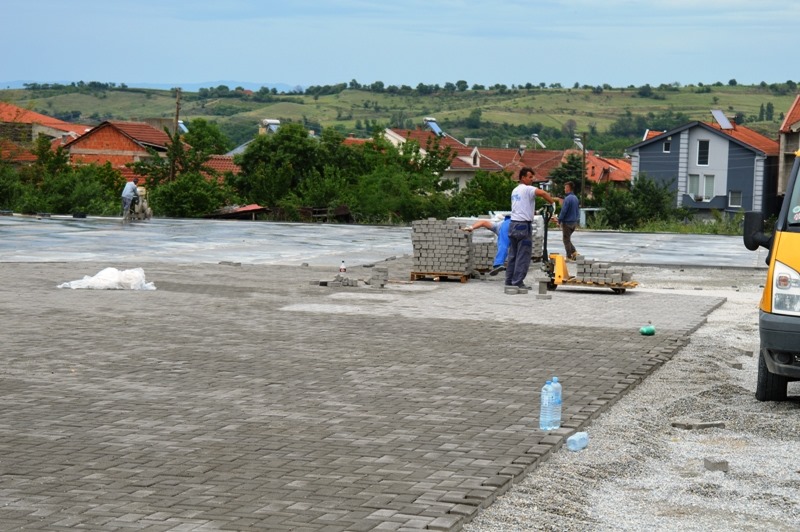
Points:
(324, 42)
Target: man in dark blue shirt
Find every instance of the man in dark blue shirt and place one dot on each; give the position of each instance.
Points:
(568, 219)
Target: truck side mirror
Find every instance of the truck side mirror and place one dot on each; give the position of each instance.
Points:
(753, 234)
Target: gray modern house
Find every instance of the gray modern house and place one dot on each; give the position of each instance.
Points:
(712, 166)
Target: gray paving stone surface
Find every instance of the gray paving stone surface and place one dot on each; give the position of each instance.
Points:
(246, 397)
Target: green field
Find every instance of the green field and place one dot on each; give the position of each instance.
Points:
(581, 109)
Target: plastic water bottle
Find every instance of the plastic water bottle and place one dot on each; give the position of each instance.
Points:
(546, 409)
(578, 441)
(342, 268)
(556, 404)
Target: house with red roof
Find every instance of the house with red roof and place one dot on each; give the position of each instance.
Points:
(789, 140)
(118, 143)
(469, 160)
(716, 165)
(24, 126)
(122, 143)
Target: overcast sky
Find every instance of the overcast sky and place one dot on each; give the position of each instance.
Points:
(322, 42)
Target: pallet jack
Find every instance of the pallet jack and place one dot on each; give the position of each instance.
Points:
(554, 265)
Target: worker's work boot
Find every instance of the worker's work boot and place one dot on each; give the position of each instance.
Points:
(497, 269)
(511, 290)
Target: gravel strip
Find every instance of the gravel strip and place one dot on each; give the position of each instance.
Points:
(640, 472)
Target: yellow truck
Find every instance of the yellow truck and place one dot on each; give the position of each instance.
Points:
(779, 310)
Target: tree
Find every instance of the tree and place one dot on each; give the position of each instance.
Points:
(188, 195)
(474, 119)
(180, 159)
(273, 165)
(483, 193)
(569, 170)
(206, 137)
(769, 112)
(461, 85)
(652, 201)
(645, 91)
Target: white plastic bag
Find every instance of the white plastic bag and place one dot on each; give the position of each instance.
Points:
(113, 279)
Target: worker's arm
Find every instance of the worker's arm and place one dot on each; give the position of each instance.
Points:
(486, 224)
(547, 197)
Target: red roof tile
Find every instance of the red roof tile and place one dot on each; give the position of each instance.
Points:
(223, 164)
(140, 132)
(13, 114)
(792, 116)
(353, 141)
(600, 169)
(422, 136)
(752, 138)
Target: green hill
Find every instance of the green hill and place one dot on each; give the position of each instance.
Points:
(501, 116)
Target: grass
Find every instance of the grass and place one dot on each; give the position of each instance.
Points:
(550, 107)
(718, 224)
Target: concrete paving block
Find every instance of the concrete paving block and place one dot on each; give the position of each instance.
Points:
(716, 464)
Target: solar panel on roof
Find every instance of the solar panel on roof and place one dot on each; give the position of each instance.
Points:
(431, 123)
(721, 119)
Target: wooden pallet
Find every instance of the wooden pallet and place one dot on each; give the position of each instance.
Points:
(601, 284)
(440, 276)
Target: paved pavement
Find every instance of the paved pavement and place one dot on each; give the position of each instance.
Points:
(249, 397)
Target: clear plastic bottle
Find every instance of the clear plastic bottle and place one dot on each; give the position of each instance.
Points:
(578, 441)
(546, 408)
(556, 404)
(342, 268)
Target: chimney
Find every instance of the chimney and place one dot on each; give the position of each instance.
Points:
(521, 150)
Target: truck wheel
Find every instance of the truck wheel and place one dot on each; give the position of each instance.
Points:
(769, 387)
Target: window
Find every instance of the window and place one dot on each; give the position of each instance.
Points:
(702, 152)
(708, 189)
(701, 188)
(667, 146)
(734, 198)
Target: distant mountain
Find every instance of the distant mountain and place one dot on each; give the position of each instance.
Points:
(191, 87)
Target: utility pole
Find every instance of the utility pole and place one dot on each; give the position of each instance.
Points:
(175, 135)
(583, 166)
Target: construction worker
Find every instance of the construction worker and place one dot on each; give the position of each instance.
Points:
(520, 234)
(501, 230)
(568, 219)
(128, 193)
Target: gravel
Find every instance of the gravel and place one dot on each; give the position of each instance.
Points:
(640, 472)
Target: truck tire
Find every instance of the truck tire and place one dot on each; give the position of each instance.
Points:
(769, 387)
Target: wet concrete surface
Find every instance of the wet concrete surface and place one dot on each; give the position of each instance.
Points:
(35, 239)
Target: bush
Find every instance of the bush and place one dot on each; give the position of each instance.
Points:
(190, 195)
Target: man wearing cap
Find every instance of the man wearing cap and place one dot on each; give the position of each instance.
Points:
(520, 247)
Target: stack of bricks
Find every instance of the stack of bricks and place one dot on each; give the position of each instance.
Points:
(483, 254)
(591, 271)
(537, 228)
(440, 246)
(379, 278)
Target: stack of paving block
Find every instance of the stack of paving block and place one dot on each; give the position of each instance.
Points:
(592, 271)
(537, 228)
(483, 254)
(379, 277)
(440, 246)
